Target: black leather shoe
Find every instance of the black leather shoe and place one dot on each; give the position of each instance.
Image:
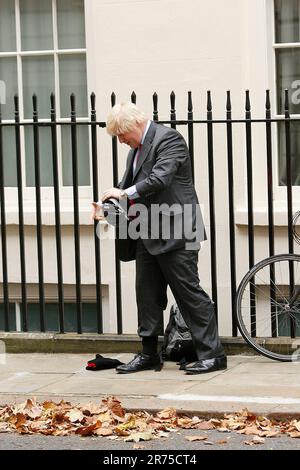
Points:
(140, 362)
(207, 365)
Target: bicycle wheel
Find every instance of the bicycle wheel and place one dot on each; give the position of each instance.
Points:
(268, 307)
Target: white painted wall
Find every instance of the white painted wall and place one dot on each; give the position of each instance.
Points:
(180, 45)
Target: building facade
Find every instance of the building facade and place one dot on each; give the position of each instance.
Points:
(105, 46)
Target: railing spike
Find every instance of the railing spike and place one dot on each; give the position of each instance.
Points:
(286, 103)
(209, 103)
(34, 102)
(73, 102)
(155, 106)
(268, 102)
(248, 104)
(133, 97)
(228, 101)
(172, 100)
(190, 102)
(113, 98)
(93, 101)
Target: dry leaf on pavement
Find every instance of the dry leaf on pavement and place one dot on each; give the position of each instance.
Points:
(75, 415)
(129, 424)
(196, 438)
(115, 406)
(88, 430)
(103, 432)
(294, 434)
(271, 434)
(248, 430)
(185, 423)
(111, 420)
(162, 434)
(205, 425)
(139, 436)
(167, 413)
(255, 440)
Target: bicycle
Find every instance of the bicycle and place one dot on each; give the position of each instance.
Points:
(268, 305)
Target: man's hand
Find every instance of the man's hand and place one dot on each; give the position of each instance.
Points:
(112, 192)
(97, 213)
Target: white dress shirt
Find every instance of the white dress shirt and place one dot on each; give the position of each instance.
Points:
(131, 191)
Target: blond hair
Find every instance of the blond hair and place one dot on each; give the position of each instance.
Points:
(123, 118)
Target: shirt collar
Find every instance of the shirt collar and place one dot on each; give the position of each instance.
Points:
(145, 131)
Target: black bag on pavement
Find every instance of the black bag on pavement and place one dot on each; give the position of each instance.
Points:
(100, 363)
(178, 344)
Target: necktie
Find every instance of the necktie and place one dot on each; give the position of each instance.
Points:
(136, 158)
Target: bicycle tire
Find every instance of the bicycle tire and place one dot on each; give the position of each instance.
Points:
(265, 315)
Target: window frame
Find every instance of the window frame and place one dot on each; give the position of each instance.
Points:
(46, 191)
(279, 191)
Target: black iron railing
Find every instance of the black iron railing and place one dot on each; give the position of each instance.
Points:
(191, 124)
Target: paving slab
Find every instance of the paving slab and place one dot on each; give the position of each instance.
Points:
(122, 387)
(26, 382)
(265, 366)
(261, 385)
(36, 362)
(259, 380)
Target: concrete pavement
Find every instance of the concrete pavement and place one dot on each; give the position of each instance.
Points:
(259, 384)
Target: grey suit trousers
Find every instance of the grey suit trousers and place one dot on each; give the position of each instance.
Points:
(178, 269)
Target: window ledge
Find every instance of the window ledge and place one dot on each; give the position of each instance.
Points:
(48, 215)
(260, 216)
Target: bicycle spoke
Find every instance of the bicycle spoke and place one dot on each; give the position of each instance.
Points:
(261, 290)
(268, 286)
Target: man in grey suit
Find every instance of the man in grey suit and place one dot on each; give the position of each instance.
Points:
(157, 185)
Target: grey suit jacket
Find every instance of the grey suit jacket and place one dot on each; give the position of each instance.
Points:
(163, 178)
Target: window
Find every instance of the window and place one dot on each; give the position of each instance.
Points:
(43, 50)
(287, 51)
(284, 319)
(89, 317)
